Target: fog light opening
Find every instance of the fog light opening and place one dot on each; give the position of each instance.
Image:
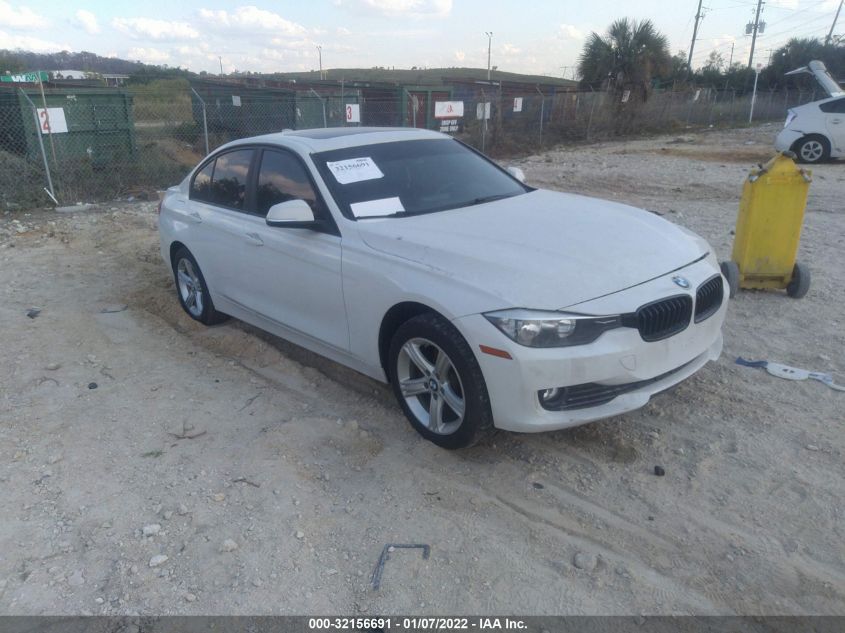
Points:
(547, 395)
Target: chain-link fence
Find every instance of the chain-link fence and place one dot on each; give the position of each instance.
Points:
(94, 145)
(522, 123)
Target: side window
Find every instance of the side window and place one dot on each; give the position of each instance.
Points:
(834, 107)
(201, 186)
(282, 177)
(228, 185)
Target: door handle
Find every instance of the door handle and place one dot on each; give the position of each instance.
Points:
(836, 121)
(254, 239)
(195, 217)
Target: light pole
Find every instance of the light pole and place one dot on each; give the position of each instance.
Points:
(320, 53)
(754, 94)
(489, 35)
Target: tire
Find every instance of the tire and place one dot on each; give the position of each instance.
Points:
(800, 283)
(731, 272)
(438, 383)
(812, 149)
(192, 290)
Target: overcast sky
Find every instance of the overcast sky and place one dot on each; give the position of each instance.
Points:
(536, 36)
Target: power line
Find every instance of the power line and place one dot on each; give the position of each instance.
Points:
(792, 31)
(770, 38)
(796, 12)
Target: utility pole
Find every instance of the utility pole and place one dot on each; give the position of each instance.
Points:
(754, 94)
(220, 59)
(833, 26)
(320, 53)
(730, 63)
(754, 32)
(698, 17)
(489, 35)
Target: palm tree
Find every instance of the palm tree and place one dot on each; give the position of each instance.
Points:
(628, 57)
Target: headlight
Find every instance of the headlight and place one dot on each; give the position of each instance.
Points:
(534, 328)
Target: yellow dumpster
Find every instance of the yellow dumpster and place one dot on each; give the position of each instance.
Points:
(768, 230)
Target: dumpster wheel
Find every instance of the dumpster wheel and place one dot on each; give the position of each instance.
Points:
(731, 272)
(800, 283)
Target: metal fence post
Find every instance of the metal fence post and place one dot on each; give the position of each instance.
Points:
(323, 103)
(204, 119)
(413, 108)
(483, 118)
(542, 111)
(50, 189)
(592, 108)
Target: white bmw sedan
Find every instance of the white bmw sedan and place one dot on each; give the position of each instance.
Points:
(412, 258)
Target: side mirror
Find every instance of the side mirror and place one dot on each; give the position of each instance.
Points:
(294, 214)
(517, 173)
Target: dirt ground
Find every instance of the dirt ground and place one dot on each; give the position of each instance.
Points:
(271, 479)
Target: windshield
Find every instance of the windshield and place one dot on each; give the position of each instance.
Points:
(405, 178)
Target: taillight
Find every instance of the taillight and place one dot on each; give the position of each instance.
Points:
(790, 117)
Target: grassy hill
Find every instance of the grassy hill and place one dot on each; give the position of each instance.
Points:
(418, 76)
(19, 61)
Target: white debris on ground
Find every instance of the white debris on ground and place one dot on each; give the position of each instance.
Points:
(220, 470)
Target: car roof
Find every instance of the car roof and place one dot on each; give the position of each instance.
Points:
(324, 139)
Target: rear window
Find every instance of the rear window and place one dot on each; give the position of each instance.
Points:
(223, 180)
(201, 187)
(837, 107)
(228, 185)
(412, 177)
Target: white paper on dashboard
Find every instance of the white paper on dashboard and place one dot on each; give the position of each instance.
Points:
(354, 170)
(384, 206)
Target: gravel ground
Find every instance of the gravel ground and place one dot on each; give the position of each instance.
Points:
(149, 465)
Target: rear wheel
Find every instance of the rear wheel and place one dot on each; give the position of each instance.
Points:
(192, 289)
(800, 283)
(438, 382)
(812, 149)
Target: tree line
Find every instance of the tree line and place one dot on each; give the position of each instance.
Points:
(634, 57)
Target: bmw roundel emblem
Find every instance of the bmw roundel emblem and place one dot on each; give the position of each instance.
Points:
(683, 282)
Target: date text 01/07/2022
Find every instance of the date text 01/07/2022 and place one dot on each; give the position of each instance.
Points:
(417, 624)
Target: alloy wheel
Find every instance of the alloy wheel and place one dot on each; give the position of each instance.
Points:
(190, 287)
(431, 386)
(811, 151)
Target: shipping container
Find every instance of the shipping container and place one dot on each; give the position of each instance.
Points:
(238, 111)
(94, 125)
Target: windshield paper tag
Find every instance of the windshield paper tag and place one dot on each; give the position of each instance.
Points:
(385, 206)
(354, 170)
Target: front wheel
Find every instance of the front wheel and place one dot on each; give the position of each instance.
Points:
(438, 383)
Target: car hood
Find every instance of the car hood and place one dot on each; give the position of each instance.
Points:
(543, 250)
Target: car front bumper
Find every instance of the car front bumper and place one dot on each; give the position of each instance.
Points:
(618, 357)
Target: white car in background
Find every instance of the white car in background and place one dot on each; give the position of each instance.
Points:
(816, 131)
(410, 257)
